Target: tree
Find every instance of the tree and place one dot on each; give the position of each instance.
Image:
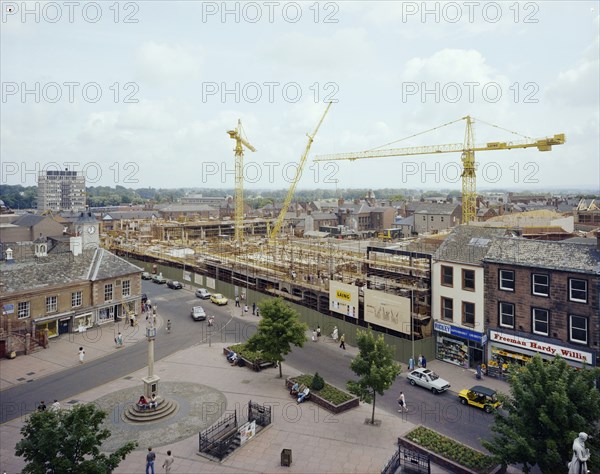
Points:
(278, 329)
(68, 441)
(376, 367)
(549, 404)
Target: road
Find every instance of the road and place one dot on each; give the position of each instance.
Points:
(441, 412)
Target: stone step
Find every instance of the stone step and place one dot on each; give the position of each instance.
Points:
(133, 415)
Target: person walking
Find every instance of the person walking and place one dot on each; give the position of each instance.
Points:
(169, 460)
(424, 362)
(318, 331)
(237, 301)
(41, 406)
(55, 406)
(132, 319)
(81, 355)
(420, 360)
(402, 403)
(343, 341)
(119, 340)
(150, 458)
(253, 308)
(314, 335)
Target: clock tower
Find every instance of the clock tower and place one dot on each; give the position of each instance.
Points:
(87, 226)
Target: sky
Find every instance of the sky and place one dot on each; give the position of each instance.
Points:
(142, 93)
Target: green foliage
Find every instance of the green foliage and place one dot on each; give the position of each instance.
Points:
(328, 392)
(376, 367)
(253, 356)
(451, 449)
(278, 329)
(317, 382)
(68, 441)
(550, 403)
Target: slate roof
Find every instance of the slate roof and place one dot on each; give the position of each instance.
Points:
(63, 268)
(28, 220)
(410, 220)
(188, 208)
(432, 208)
(118, 215)
(468, 244)
(552, 255)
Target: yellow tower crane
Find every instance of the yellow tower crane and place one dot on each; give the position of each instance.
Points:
(292, 190)
(467, 149)
(239, 180)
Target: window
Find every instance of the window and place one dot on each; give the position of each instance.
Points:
(578, 290)
(468, 316)
(447, 276)
(540, 284)
(507, 280)
(126, 288)
(51, 304)
(468, 280)
(578, 329)
(23, 310)
(76, 299)
(447, 309)
(540, 321)
(108, 292)
(442, 219)
(507, 315)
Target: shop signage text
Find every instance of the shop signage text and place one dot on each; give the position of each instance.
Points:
(460, 332)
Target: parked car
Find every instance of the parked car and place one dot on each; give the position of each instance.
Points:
(146, 276)
(198, 313)
(161, 280)
(428, 379)
(480, 397)
(203, 293)
(144, 297)
(174, 284)
(219, 299)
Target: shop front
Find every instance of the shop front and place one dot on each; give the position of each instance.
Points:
(56, 325)
(82, 322)
(507, 349)
(459, 346)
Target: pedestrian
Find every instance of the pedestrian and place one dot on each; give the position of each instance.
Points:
(402, 403)
(119, 340)
(343, 341)
(420, 360)
(41, 406)
(169, 460)
(253, 308)
(81, 355)
(318, 331)
(257, 315)
(424, 362)
(150, 457)
(237, 301)
(334, 334)
(132, 319)
(314, 335)
(245, 308)
(55, 406)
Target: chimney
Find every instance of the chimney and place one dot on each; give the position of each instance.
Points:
(340, 201)
(598, 240)
(75, 245)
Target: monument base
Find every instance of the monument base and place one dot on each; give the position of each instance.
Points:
(150, 386)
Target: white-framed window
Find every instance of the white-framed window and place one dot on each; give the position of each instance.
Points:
(108, 292)
(51, 304)
(578, 329)
(506, 313)
(506, 279)
(447, 308)
(540, 284)
(540, 321)
(577, 290)
(126, 287)
(76, 299)
(23, 309)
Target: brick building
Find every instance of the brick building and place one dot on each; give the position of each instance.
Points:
(541, 298)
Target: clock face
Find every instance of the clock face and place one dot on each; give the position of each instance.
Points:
(91, 229)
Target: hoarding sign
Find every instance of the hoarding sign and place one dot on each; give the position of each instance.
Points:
(343, 298)
(389, 311)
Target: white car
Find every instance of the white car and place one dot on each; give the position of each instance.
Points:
(202, 293)
(428, 379)
(198, 313)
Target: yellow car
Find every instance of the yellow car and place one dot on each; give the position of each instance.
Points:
(480, 397)
(218, 298)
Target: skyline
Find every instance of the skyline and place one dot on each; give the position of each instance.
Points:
(72, 76)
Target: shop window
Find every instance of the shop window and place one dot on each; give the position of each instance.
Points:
(76, 299)
(468, 280)
(578, 329)
(23, 310)
(51, 304)
(108, 292)
(507, 280)
(540, 321)
(126, 287)
(578, 290)
(468, 313)
(447, 276)
(106, 314)
(506, 314)
(540, 284)
(447, 309)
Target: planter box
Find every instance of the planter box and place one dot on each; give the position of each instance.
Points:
(315, 398)
(257, 367)
(440, 460)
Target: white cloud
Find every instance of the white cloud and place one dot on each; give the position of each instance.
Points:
(167, 64)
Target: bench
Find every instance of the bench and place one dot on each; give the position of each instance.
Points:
(257, 365)
(289, 384)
